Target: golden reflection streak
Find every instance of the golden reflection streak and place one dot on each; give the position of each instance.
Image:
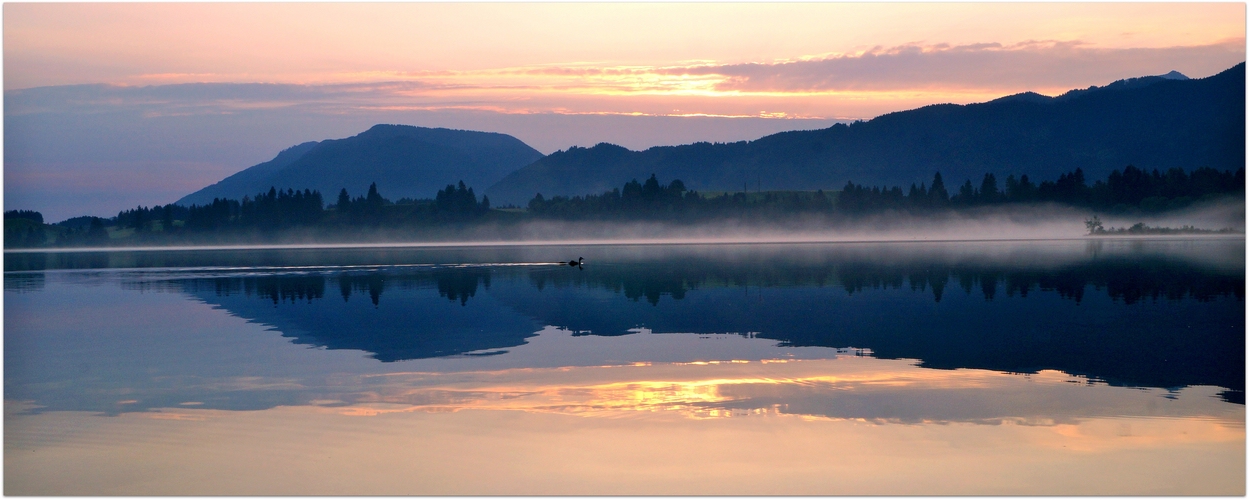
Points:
(684, 388)
(1047, 432)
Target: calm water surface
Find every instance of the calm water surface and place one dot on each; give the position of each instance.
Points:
(1072, 367)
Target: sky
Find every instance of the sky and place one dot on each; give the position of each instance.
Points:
(109, 106)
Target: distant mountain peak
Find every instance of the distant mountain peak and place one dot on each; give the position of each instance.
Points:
(404, 161)
(395, 128)
(1024, 97)
(1126, 83)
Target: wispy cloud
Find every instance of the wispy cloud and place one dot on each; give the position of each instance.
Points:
(1032, 65)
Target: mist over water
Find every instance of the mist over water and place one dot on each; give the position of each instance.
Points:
(1019, 222)
(998, 223)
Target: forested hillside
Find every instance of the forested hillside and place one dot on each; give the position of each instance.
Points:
(1152, 123)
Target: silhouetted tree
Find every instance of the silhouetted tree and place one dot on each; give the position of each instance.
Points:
(344, 201)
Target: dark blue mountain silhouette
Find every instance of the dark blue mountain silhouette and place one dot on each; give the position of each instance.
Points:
(1156, 122)
(404, 161)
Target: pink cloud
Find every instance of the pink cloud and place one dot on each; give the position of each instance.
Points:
(1026, 65)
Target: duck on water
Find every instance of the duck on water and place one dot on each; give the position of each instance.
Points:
(577, 263)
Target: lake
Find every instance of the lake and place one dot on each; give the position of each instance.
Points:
(1107, 366)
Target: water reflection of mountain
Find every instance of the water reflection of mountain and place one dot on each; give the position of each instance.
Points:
(1135, 321)
(1126, 280)
(1145, 322)
(413, 322)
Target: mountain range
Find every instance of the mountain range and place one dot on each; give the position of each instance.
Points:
(403, 160)
(1154, 122)
(1150, 122)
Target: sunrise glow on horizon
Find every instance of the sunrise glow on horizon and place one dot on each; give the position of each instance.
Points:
(828, 61)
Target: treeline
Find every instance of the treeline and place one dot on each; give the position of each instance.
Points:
(636, 198)
(1131, 188)
(652, 199)
(29, 215)
(261, 216)
(277, 210)
(23, 228)
(272, 210)
(264, 216)
(460, 201)
(1096, 228)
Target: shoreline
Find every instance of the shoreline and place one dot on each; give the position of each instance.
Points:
(598, 242)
